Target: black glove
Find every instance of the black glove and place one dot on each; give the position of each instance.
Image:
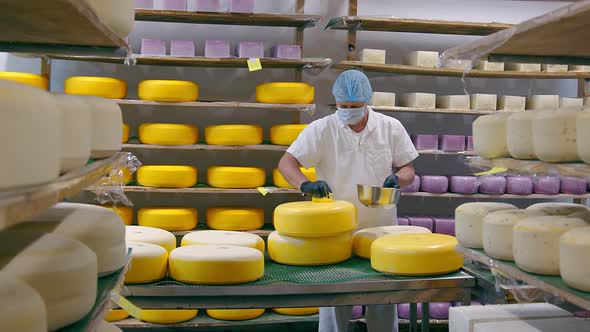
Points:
(316, 189)
(391, 182)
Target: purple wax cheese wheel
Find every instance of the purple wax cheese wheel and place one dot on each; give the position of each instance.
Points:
(466, 185)
(573, 185)
(182, 48)
(425, 222)
(425, 142)
(403, 310)
(286, 52)
(469, 143)
(546, 185)
(251, 50)
(217, 49)
(153, 47)
(357, 311)
(413, 187)
(519, 185)
(444, 226)
(434, 184)
(144, 4)
(439, 310)
(208, 5)
(402, 221)
(582, 314)
(452, 143)
(242, 6)
(174, 5)
(492, 185)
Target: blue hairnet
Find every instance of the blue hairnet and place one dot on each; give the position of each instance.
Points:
(352, 86)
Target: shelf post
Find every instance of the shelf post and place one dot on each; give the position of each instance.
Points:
(46, 69)
(299, 40)
(352, 11)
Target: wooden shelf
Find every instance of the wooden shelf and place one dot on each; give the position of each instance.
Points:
(398, 109)
(414, 70)
(269, 20)
(20, 204)
(531, 166)
(228, 105)
(395, 24)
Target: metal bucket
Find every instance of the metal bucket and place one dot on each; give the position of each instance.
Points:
(374, 196)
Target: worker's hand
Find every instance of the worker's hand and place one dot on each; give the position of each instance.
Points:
(316, 189)
(391, 182)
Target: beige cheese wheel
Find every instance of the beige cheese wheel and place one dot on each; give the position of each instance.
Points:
(362, 240)
(554, 135)
(151, 235)
(75, 131)
(23, 309)
(583, 136)
(118, 15)
(489, 135)
(519, 131)
(574, 247)
(558, 209)
(469, 219)
(536, 242)
(224, 238)
(106, 121)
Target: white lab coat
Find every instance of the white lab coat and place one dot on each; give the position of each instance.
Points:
(344, 159)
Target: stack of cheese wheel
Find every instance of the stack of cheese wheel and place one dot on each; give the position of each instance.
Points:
(151, 235)
(125, 134)
(29, 136)
(235, 218)
(168, 91)
(168, 134)
(235, 177)
(149, 253)
(312, 233)
(167, 176)
(125, 212)
(489, 135)
(233, 135)
(554, 135)
(574, 247)
(168, 218)
(224, 238)
(281, 182)
(24, 309)
(469, 221)
(168, 316)
(285, 93)
(363, 239)
(285, 134)
(35, 80)
(118, 15)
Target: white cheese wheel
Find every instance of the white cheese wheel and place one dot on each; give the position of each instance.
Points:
(422, 59)
(62, 270)
(106, 121)
(497, 231)
(318, 218)
(489, 135)
(309, 251)
(519, 135)
(512, 103)
(469, 219)
(224, 238)
(29, 136)
(543, 102)
(362, 240)
(75, 131)
(481, 101)
(574, 247)
(23, 309)
(554, 136)
(372, 56)
(151, 235)
(118, 15)
(536, 242)
(210, 264)
(149, 263)
(418, 100)
(583, 136)
(558, 209)
(108, 327)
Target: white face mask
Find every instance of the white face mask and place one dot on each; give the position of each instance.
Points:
(351, 115)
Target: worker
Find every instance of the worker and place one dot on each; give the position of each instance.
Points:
(353, 146)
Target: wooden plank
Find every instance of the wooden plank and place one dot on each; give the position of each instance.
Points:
(59, 22)
(270, 20)
(395, 24)
(228, 105)
(396, 109)
(206, 147)
(414, 70)
(207, 190)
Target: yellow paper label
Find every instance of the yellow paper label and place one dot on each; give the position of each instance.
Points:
(254, 64)
(262, 190)
(492, 171)
(124, 304)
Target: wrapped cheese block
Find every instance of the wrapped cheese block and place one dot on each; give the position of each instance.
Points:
(29, 136)
(573, 185)
(522, 66)
(444, 226)
(418, 100)
(207, 5)
(309, 251)
(115, 315)
(168, 218)
(558, 209)
(285, 134)
(466, 185)
(512, 103)
(250, 49)
(422, 59)
(403, 310)
(182, 48)
(363, 239)
(235, 218)
(497, 231)
(168, 316)
(151, 235)
(167, 176)
(63, 271)
(125, 137)
(490, 66)
(574, 247)
(318, 218)
(403, 221)
(552, 68)
(469, 220)
(144, 4)
(285, 51)
(554, 136)
(533, 325)
(583, 136)
(543, 102)
(480, 101)
(281, 182)
(217, 49)
(416, 254)
(224, 238)
(149, 263)
(233, 135)
(242, 6)
(434, 184)
(285, 93)
(452, 142)
(155, 47)
(383, 99)
(235, 177)
(235, 314)
(118, 15)
(492, 185)
(425, 142)
(35, 80)
(546, 185)
(106, 120)
(168, 134)
(24, 309)
(209, 264)
(489, 135)
(168, 90)
(519, 131)
(536, 242)
(575, 103)
(297, 311)
(519, 185)
(469, 143)
(413, 187)
(425, 222)
(456, 102)
(372, 56)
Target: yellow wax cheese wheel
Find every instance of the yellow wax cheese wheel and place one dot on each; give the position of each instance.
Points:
(168, 91)
(285, 93)
(167, 218)
(23, 309)
(281, 182)
(168, 134)
(235, 218)
(148, 263)
(309, 251)
(233, 135)
(211, 264)
(416, 254)
(297, 311)
(558, 209)
(125, 136)
(285, 134)
(315, 219)
(363, 239)
(126, 176)
(170, 316)
(167, 176)
(125, 212)
(235, 177)
(106, 87)
(574, 247)
(235, 314)
(116, 315)
(35, 80)
(224, 238)
(151, 235)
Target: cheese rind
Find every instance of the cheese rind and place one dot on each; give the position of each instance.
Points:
(543, 102)
(574, 247)
(285, 134)
(315, 219)
(235, 177)
(168, 134)
(285, 93)
(168, 218)
(418, 100)
(554, 136)
(235, 314)
(233, 135)
(457, 102)
(372, 56)
(224, 238)
(74, 133)
(383, 99)
(168, 91)
(363, 239)
(167, 176)
(281, 182)
(151, 235)
(149, 263)
(24, 309)
(469, 221)
(487, 102)
(512, 103)
(169, 316)
(309, 251)
(235, 218)
(422, 59)
(106, 87)
(489, 135)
